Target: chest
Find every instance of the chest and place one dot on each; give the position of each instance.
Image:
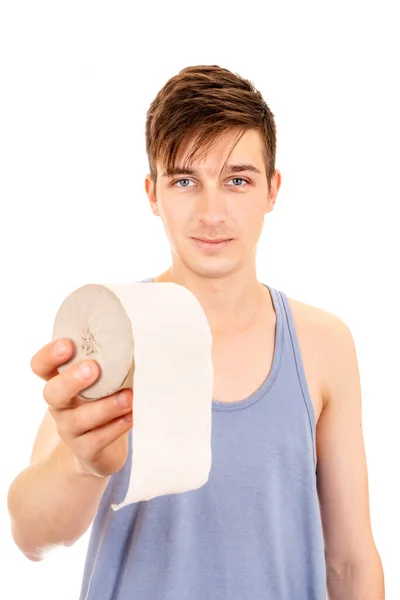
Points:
(243, 360)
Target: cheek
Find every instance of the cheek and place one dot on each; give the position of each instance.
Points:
(250, 218)
(174, 217)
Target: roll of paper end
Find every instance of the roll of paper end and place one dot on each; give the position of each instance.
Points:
(155, 339)
(95, 319)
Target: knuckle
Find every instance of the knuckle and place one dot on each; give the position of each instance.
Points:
(33, 364)
(47, 395)
(52, 393)
(42, 362)
(37, 363)
(57, 391)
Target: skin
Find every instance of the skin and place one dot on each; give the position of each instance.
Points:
(77, 447)
(209, 205)
(91, 430)
(82, 445)
(215, 207)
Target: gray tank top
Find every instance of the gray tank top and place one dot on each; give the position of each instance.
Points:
(252, 532)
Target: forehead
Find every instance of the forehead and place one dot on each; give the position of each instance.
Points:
(247, 150)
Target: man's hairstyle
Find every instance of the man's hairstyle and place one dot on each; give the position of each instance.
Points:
(205, 101)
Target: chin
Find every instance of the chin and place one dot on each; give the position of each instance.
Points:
(209, 265)
(211, 269)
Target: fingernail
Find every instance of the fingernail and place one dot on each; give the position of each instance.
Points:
(85, 371)
(60, 349)
(123, 399)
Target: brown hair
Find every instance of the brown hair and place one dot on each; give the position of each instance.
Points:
(205, 100)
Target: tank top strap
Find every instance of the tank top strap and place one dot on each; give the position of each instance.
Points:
(291, 347)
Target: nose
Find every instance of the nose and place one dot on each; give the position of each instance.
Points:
(211, 207)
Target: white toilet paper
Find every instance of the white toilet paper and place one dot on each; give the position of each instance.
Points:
(156, 339)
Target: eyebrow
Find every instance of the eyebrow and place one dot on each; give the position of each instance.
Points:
(238, 168)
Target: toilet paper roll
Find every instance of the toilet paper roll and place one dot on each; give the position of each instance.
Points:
(155, 339)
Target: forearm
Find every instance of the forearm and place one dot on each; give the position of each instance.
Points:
(52, 503)
(361, 580)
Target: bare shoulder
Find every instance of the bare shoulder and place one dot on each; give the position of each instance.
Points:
(325, 340)
(311, 315)
(325, 327)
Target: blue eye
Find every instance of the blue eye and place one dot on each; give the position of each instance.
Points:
(180, 180)
(174, 183)
(240, 179)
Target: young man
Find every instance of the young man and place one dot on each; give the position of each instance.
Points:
(285, 513)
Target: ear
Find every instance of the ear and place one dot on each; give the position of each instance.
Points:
(275, 185)
(151, 194)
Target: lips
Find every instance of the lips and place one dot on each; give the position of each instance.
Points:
(206, 241)
(216, 244)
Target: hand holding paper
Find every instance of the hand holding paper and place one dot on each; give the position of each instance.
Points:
(156, 339)
(96, 433)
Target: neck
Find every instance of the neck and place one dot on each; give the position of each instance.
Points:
(230, 303)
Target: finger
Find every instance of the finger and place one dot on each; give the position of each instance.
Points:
(95, 441)
(60, 391)
(91, 415)
(45, 362)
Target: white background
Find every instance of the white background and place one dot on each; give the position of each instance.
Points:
(76, 81)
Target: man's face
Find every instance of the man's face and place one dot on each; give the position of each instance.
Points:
(213, 222)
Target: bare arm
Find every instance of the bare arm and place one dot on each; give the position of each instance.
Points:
(78, 446)
(52, 502)
(354, 569)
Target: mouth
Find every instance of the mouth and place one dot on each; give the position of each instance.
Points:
(212, 244)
